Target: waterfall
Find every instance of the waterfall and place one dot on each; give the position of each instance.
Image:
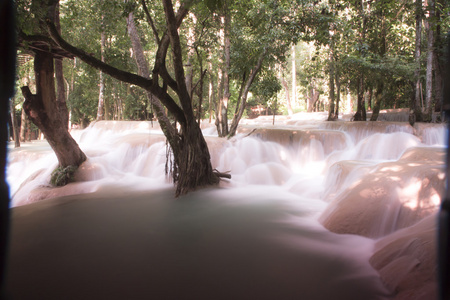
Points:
(323, 189)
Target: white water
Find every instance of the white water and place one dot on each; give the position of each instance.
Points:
(368, 180)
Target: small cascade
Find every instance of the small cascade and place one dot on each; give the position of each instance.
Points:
(349, 183)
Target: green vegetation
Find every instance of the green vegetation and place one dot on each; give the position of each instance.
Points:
(370, 44)
(63, 175)
(182, 61)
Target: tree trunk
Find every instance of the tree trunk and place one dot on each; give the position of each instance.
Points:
(294, 81)
(16, 134)
(430, 59)
(288, 98)
(377, 105)
(192, 156)
(438, 76)
(101, 93)
(44, 112)
(338, 94)
(360, 114)
(331, 109)
(60, 85)
(243, 101)
(211, 96)
(23, 126)
(142, 65)
(225, 77)
(415, 105)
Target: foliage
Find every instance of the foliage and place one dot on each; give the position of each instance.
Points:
(62, 176)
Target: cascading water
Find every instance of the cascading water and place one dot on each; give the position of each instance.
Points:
(308, 205)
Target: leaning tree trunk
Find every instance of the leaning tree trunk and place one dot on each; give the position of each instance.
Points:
(44, 112)
(243, 99)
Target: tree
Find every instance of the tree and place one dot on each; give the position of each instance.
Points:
(192, 165)
(43, 109)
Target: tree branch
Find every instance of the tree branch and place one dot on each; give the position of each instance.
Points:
(150, 21)
(96, 63)
(118, 74)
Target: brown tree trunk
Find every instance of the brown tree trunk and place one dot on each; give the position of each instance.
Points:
(360, 114)
(415, 105)
(377, 104)
(430, 61)
(23, 126)
(288, 98)
(16, 134)
(59, 75)
(438, 76)
(192, 156)
(101, 93)
(222, 120)
(243, 99)
(331, 109)
(44, 112)
(294, 81)
(338, 94)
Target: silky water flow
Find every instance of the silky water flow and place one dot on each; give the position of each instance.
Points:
(314, 210)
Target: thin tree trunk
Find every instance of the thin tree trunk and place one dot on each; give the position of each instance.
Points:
(294, 81)
(430, 58)
(212, 93)
(243, 101)
(16, 134)
(101, 93)
(338, 94)
(142, 65)
(226, 78)
(23, 126)
(331, 109)
(288, 98)
(360, 114)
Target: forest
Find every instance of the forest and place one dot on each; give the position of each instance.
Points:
(198, 61)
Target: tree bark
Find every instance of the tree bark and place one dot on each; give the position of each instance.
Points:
(377, 104)
(243, 101)
(16, 134)
(59, 75)
(415, 105)
(430, 59)
(360, 114)
(142, 65)
(223, 105)
(286, 90)
(192, 157)
(338, 94)
(44, 112)
(101, 93)
(294, 81)
(331, 109)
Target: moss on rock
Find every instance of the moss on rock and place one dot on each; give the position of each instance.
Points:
(63, 175)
